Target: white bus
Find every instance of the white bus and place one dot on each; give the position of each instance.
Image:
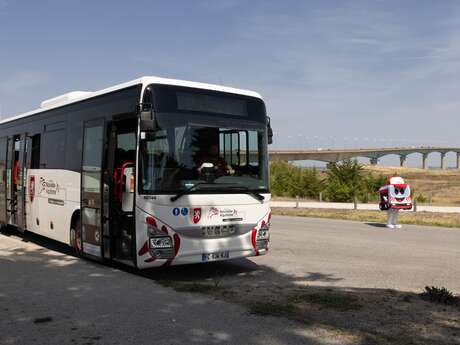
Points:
(152, 172)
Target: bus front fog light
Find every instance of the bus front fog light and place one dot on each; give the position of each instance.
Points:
(161, 242)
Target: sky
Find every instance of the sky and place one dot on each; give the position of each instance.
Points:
(334, 74)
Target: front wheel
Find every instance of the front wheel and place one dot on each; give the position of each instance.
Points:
(76, 238)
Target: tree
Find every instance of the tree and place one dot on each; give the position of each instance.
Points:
(345, 181)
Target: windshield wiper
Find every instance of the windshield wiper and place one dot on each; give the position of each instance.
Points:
(189, 190)
(246, 190)
(215, 186)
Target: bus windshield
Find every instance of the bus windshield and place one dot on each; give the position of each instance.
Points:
(195, 146)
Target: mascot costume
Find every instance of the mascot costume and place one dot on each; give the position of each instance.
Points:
(395, 196)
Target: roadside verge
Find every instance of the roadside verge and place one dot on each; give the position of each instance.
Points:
(442, 219)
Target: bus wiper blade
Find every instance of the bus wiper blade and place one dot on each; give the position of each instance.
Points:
(189, 190)
(246, 190)
(226, 186)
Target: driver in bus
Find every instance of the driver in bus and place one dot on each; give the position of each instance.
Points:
(212, 159)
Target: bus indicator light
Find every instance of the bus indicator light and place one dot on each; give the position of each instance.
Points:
(131, 184)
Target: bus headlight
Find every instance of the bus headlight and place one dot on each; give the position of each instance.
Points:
(263, 233)
(161, 242)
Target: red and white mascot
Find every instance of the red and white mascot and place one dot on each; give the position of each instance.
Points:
(395, 196)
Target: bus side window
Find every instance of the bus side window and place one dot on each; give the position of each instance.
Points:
(126, 148)
(53, 149)
(35, 152)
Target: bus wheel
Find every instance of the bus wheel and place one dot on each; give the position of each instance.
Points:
(77, 238)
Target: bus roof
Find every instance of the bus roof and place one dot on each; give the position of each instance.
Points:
(77, 96)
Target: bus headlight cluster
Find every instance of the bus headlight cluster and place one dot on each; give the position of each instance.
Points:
(161, 242)
(263, 233)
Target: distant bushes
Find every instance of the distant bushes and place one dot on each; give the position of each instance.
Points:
(419, 197)
(440, 295)
(290, 181)
(341, 182)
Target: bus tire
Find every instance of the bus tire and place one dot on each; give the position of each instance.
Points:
(6, 229)
(76, 237)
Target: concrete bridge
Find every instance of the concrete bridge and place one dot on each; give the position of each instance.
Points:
(336, 155)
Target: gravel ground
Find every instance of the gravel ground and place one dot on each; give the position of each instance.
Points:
(324, 282)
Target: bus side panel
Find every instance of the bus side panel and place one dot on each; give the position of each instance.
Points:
(63, 168)
(51, 198)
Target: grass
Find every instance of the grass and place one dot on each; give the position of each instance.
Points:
(202, 288)
(448, 220)
(344, 315)
(339, 302)
(270, 308)
(295, 302)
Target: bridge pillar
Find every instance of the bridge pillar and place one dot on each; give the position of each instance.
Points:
(402, 160)
(443, 161)
(424, 158)
(458, 160)
(374, 160)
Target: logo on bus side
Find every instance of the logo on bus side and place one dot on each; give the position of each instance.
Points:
(196, 215)
(223, 213)
(31, 188)
(180, 211)
(49, 186)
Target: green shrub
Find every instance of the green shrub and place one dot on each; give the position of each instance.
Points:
(439, 295)
(289, 180)
(419, 197)
(344, 182)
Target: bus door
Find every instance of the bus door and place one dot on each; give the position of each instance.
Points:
(15, 189)
(121, 163)
(3, 146)
(19, 177)
(91, 188)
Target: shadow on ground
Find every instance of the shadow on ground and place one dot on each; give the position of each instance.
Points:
(377, 225)
(94, 303)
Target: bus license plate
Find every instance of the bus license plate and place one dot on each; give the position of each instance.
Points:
(215, 256)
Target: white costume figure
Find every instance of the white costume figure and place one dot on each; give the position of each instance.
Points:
(392, 218)
(395, 196)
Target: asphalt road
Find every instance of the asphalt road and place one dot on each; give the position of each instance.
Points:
(50, 297)
(367, 255)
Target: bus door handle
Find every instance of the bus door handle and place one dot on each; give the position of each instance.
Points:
(84, 202)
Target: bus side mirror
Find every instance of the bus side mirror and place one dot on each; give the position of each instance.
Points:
(269, 131)
(148, 121)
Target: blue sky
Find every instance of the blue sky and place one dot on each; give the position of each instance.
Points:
(333, 73)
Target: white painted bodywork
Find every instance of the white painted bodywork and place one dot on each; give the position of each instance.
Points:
(64, 99)
(251, 211)
(56, 196)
